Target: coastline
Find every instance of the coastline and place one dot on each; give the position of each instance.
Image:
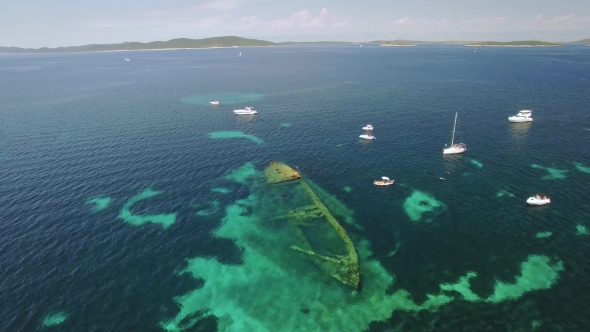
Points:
(471, 45)
(396, 45)
(146, 49)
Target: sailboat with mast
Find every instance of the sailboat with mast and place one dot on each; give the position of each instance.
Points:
(455, 148)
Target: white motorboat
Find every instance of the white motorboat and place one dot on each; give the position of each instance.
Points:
(522, 116)
(368, 127)
(367, 136)
(246, 111)
(538, 199)
(385, 181)
(455, 148)
(214, 102)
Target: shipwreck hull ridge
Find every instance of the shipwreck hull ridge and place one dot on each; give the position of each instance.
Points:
(331, 249)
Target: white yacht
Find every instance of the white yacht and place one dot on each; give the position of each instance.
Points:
(455, 148)
(385, 181)
(367, 136)
(214, 102)
(522, 116)
(368, 127)
(246, 111)
(538, 199)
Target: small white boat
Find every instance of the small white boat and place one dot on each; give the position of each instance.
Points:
(385, 181)
(214, 102)
(455, 148)
(246, 111)
(522, 116)
(367, 136)
(127, 59)
(368, 127)
(538, 199)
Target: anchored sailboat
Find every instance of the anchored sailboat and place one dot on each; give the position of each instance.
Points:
(455, 148)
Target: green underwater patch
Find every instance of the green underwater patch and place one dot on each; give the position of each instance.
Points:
(582, 230)
(243, 174)
(213, 208)
(504, 193)
(234, 134)
(582, 168)
(221, 190)
(536, 273)
(420, 203)
(554, 173)
(101, 203)
(543, 235)
(55, 319)
(476, 163)
(165, 220)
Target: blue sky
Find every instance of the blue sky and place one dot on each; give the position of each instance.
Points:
(28, 23)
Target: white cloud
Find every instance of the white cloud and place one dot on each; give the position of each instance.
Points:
(560, 19)
(220, 4)
(305, 19)
(559, 22)
(107, 25)
(220, 17)
(211, 22)
(402, 21)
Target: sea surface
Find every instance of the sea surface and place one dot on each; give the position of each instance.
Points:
(114, 176)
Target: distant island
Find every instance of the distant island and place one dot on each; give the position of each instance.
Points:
(402, 42)
(518, 43)
(180, 43)
(233, 41)
(398, 43)
(581, 41)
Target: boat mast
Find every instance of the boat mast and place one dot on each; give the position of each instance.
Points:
(454, 126)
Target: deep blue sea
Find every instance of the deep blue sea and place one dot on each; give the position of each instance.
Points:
(142, 137)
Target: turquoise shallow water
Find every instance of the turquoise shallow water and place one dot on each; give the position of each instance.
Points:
(75, 127)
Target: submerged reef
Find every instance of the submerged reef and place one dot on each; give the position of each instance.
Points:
(101, 203)
(55, 319)
(221, 190)
(165, 220)
(582, 230)
(420, 203)
(243, 174)
(234, 134)
(476, 163)
(554, 173)
(536, 273)
(276, 288)
(582, 168)
(543, 235)
(504, 193)
(213, 208)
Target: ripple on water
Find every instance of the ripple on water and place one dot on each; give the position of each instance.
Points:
(224, 98)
